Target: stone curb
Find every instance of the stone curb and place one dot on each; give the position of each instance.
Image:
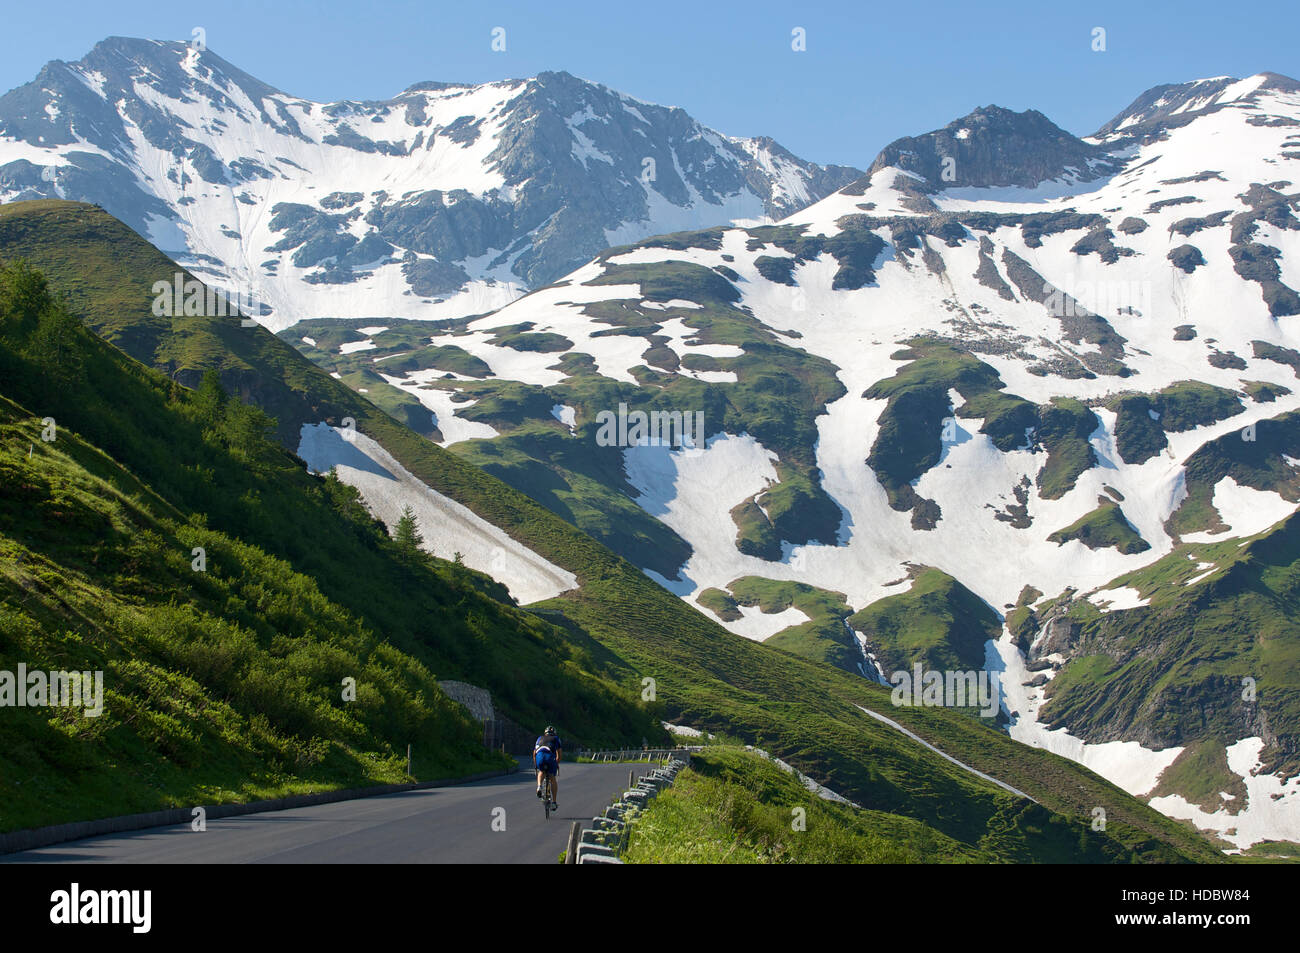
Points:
(607, 836)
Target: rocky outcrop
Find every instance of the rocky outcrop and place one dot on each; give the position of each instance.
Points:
(993, 146)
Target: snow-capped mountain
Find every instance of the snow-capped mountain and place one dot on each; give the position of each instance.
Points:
(1059, 371)
(443, 201)
(1084, 284)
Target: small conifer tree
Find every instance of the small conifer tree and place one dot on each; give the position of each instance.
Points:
(407, 533)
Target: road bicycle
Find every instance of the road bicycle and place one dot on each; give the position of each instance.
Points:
(548, 797)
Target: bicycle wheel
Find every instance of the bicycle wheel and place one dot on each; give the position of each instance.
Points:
(546, 797)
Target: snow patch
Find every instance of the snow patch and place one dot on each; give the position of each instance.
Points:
(448, 527)
(760, 626)
(1126, 597)
(566, 415)
(1249, 511)
(1126, 763)
(1272, 809)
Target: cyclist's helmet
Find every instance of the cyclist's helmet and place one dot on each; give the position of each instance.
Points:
(550, 730)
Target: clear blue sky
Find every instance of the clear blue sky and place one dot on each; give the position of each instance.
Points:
(871, 72)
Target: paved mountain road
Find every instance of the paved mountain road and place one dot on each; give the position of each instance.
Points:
(961, 764)
(435, 825)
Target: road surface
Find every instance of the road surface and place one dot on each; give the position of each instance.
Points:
(438, 825)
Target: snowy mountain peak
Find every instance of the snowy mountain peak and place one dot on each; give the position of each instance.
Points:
(998, 161)
(459, 197)
(990, 147)
(1171, 105)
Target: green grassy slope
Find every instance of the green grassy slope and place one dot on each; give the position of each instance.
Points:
(1106, 526)
(823, 637)
(227, 682)
(107, 272)
(1142, 420)
(1176, 666)
(937, 622)
(732, 806)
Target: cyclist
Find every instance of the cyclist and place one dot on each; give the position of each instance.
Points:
(546, 757)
